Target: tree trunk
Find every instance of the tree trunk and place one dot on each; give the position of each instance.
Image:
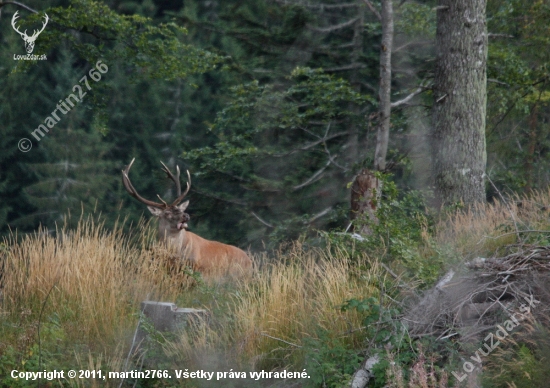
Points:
(384, 93)
(365, 194)
(366, 188)
(352, 148)
(530, 159)
(458, 141)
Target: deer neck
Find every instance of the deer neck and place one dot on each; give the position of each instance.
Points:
(171, 236)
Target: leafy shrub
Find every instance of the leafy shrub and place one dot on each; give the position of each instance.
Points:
(400, 234)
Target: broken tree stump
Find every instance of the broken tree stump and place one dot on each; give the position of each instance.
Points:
(365, 194)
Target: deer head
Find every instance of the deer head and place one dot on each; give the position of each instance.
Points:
(172, 217)
(29, 40)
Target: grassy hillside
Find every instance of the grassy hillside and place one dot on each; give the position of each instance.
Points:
(72, 302)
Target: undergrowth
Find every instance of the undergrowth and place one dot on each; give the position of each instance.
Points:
(71, 301)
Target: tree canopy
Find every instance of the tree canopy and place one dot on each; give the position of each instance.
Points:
(272, 106)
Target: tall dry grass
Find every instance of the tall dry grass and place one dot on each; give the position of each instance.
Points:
(294, 297)
(485, 228)
(83, 288)
(291, 302)
(89, 281)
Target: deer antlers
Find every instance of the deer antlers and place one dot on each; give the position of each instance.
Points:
(132, 191)
(177, 182)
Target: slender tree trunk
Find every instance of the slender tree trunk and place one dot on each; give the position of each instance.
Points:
(366, 188)
(385, 86)
(530, 159)
(458, 141)
(352, 149)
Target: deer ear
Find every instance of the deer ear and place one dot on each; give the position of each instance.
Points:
(155, 211)
(183, 206)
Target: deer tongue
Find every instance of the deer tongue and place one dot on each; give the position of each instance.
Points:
(182, 225)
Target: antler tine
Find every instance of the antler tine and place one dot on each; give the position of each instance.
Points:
(182, 196)
(176, 179)
(36, 33)
(162, 200)
(13, 20)
(132, 191)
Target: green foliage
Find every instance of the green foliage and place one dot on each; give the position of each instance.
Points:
(52, 179)
(28, 355)
(383, 330)
(518, 95)
(147, 50)
(400, 233)
(257, 110)
(11, 359)
(522, 363)
(329, 362)
(264, 144)
(416, 19)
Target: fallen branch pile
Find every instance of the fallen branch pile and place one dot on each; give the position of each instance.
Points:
(467, 305)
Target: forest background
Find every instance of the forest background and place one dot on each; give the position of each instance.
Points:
(274, 108)
(271, 105)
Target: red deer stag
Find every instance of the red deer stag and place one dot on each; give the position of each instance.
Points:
(209, 257)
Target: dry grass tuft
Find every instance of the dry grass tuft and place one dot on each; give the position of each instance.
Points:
(89, 280)
(481, 231)
(289, 300)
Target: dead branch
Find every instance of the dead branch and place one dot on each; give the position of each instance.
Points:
(308, 146)
(408, 98)
(278, 339)
(373, 10)
(351, 66)
(3, 3)
(318, 6)
(261, 220)
(314, 178)
(492, 35)
(319, 215)
(335, 27)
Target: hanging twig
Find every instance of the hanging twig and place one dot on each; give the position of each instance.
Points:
(262, 221)
(373, 10)
(3, 3)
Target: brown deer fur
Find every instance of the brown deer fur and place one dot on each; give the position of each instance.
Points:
(209, 257)
(206, 256)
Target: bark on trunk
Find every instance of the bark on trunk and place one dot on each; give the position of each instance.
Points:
(458, 141)
(383, 134)
(365, 194)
